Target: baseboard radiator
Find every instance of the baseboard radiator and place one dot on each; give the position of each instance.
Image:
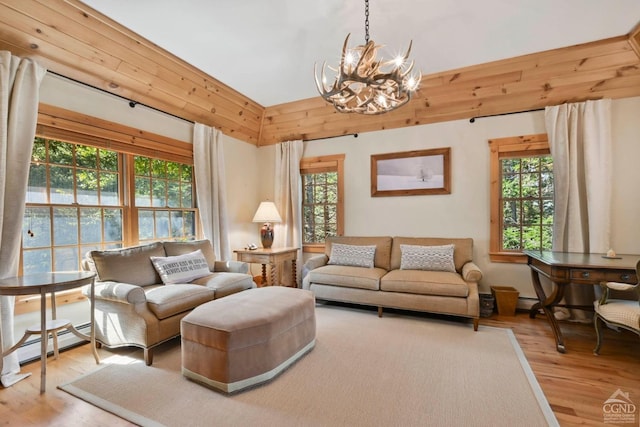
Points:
(30, 350)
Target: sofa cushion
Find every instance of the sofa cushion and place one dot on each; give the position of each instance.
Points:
(462, 253)
(353, 255)
(223, 284)
(434, 258)
(348, 277)
(166, 301)
(181, 268)
(439, 283)
(129, 265)
(382, 243)
(180, 248)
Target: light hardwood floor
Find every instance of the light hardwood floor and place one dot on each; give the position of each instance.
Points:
(576, 384)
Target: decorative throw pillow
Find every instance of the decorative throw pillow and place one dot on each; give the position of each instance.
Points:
(352, 255)
(435, 258)
(181, 268)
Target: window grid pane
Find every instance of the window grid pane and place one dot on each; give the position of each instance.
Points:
(527, 203)
(64, 217)
(165, 190)
(319, 206)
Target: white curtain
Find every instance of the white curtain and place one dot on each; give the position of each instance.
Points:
(208, 162)
(580, 143)
(19, 94)
(288, 197)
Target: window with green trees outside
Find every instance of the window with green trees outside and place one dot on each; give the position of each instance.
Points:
(73, 205)
(164, 199)
(319, 206)
(322, 200)
(527, 203)
(521, 197)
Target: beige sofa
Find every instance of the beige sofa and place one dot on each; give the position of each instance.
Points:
(386, 284)
(134, 307)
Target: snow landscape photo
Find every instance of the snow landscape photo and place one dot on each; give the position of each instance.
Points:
(410, 173)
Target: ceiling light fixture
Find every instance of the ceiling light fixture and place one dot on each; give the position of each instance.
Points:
(367, 85)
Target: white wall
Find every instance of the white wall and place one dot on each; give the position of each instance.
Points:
(465, 212)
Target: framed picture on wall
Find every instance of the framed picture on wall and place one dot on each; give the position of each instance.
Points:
(411, 173)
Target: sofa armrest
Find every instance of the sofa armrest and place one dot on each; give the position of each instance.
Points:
(471, 272)
(313, 263)
(231, 267)
(118, 292)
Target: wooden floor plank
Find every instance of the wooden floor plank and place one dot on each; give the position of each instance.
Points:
(576, 383)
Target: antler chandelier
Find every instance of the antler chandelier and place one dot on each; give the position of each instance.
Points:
(367, 85)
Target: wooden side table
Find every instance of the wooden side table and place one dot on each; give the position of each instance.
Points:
(275, 257)
(50, 283)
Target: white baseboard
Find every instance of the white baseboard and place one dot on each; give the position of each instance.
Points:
(30, 350)
(525, 303)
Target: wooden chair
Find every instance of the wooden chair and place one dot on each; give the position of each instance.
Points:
(618, 313)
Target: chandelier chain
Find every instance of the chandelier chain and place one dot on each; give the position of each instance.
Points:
(366, 21)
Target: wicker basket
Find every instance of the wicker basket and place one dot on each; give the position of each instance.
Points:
(506, 299)
(487, 303)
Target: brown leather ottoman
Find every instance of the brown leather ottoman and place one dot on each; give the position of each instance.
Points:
(247, 338)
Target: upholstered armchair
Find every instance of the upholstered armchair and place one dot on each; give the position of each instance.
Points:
(619, 313)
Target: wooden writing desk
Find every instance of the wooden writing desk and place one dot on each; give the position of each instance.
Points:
(272, 256)
(563, 268)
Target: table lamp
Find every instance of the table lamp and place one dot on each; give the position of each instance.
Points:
(267, 213)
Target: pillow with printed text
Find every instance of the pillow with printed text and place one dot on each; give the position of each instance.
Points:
(181, 268)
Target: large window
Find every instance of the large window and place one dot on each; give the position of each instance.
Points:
(521, 196)
(74, 205)
(322, 200)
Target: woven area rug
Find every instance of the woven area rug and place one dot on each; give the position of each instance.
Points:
(400, 370)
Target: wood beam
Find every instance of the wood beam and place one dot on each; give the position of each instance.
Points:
(603, 69)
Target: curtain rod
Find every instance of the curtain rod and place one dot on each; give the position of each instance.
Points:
(473, 119)
(132, 103)
(355, 135)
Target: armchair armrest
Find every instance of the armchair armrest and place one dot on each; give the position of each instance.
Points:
(117, 291)
(231, 267)
(471, 272)
(313, 263)
(616, 286)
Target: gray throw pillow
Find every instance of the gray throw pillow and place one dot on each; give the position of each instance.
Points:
(352, 255)
(434, 258)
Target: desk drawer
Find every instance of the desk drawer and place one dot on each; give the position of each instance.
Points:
(621, 276)
(587, 275)
(595, 276)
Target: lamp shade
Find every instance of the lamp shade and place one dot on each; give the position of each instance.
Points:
(267, 212)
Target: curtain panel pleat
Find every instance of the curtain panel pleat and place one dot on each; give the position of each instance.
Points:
(581, 147)
(288, 197)
(19, 95)
(208, 164)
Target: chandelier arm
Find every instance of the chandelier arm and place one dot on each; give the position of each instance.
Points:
(344, 52)
(319, 86)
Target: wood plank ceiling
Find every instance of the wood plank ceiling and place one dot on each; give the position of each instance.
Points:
(72, 39)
